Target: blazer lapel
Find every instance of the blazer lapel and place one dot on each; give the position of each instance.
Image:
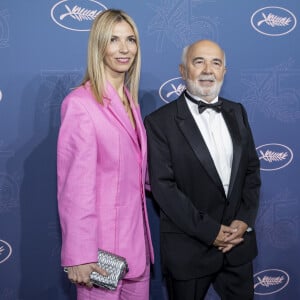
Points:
(232, 124)
(193, 135)
(140, 130)
(117, 110)
(141, 134)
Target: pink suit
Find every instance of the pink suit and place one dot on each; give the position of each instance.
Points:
(102, 163)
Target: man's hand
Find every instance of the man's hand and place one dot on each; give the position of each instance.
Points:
(240, 227)
(230, 239)
(81, 274)
(224, 233)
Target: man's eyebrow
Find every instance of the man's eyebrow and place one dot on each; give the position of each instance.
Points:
(218, 60)
(202, 58)
(198, 57)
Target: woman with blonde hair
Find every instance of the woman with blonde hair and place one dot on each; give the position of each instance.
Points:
(101, 164)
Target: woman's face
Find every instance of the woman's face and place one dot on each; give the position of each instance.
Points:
(121, 50)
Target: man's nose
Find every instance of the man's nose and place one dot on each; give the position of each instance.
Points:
(207, 68)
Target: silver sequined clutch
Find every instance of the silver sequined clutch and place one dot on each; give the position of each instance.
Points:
(116, 267)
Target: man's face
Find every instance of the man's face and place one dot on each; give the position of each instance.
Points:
(204, 70)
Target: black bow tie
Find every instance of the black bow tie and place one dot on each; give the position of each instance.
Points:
(202, 106)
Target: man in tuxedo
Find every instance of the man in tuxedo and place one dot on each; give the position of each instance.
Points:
(204, 175)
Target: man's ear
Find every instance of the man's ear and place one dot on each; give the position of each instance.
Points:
(182, 71)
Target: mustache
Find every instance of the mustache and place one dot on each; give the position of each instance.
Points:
(207, 77)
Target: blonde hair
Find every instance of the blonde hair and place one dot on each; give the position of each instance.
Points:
(99, 38)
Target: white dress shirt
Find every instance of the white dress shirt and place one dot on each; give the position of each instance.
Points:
(217, 138)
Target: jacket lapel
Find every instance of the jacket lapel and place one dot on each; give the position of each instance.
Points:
(140, 130)
(141, 134)
(193, 135)
(117, 110)
(232, 124)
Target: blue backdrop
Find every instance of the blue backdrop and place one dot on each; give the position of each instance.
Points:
(43, 54)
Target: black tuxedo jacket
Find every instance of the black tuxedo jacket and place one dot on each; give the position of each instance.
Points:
(190, 194)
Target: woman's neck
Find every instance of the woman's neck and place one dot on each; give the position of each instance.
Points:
(117, 81)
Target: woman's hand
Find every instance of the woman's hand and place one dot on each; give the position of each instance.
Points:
(81, 274)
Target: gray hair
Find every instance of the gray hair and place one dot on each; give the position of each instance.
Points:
(185, 51)
(183, 55)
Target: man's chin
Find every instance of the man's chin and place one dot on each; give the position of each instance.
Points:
(209, 94)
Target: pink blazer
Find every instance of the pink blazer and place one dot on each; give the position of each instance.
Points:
(101, 165)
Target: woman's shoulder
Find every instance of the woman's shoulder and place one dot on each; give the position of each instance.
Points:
(81, 95)
(79, 92)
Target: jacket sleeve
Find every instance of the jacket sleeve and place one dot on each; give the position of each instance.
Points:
(172, 201)
(76, 172)
(251, 188)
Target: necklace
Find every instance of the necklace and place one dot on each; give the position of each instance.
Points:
(124, 101)
(127, 108)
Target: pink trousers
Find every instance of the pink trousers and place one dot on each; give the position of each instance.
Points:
(135, 289)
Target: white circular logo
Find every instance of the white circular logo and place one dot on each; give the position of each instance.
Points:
(171, 89)
(270, 281)
(273, 21)
(5, 251)
(77, 15)
(0, 95)
(274, 156)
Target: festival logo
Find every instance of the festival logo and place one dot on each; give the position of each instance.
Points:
(274, 156)
(270, 281)
(5, 251)
(4, 28)
(273, 91)
(76, 15)
(171, 89)
(180, 23)
(56, 84)
(278, 220)
(273, 21)
(9, 190)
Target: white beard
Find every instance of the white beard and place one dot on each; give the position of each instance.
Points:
(206, 93)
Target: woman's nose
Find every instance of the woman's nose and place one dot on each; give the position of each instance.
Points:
(123, 47)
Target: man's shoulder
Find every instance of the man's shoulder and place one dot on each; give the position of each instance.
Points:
(230, 103)
(164, 111)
